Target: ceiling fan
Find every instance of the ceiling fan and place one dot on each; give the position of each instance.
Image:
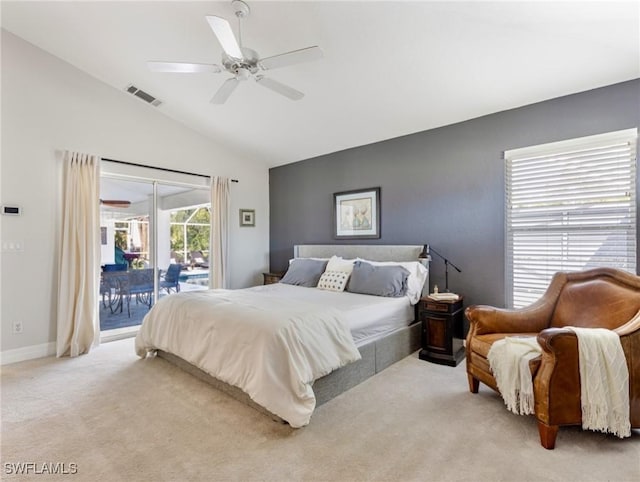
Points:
(242, 62)
(115, 203)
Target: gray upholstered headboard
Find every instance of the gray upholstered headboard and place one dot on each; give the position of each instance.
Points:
(371, 252)
(368, 251)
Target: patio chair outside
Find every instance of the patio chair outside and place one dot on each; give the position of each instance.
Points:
(198, 260)
(110, 285)
(140, 284)
(177, 258)
(171, 279)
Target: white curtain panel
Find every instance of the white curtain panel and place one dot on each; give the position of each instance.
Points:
(78, 317)
(219, 242)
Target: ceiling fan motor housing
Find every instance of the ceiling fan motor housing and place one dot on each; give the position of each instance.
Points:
(249, 62)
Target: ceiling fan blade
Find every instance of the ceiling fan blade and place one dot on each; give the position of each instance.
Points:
(115, 203)
(182, 67)
(280, 88)
(225, 91)
(291, 58)
(222, 30)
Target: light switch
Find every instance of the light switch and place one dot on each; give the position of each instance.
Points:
(12, 246)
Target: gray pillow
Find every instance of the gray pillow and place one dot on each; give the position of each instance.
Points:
(304, 272)
(390, 281)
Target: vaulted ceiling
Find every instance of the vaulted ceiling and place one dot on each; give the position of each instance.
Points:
(389, 68)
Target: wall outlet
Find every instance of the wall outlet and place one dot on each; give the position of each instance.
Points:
(16, 328)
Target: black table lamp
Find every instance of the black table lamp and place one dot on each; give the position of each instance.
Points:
(427, 250)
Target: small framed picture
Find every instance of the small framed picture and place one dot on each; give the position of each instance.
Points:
(247, 218)
(356, 214)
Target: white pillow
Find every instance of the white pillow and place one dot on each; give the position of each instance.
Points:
(333, 280)
(416, 280)
(336, 263)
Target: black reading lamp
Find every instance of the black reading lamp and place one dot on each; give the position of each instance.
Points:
(427, 250)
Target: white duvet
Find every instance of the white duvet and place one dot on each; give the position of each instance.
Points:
(271, 348)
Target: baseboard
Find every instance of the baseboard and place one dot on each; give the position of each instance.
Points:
(119, 334)
(27, 353)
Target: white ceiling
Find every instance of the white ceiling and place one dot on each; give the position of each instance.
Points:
(135, 191)
(389, 68)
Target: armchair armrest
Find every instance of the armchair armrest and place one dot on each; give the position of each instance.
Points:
(630, 326)
(559, 343)
(557, 382)
(553, 339)
(488, 319)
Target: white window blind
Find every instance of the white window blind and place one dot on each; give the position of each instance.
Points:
(570, 206)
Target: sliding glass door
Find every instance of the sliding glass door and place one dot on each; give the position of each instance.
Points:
(127, 282)
(154, 242)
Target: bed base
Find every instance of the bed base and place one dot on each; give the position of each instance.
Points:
(376, 356)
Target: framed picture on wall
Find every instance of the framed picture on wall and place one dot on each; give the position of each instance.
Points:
(357, 214)
(247, 218)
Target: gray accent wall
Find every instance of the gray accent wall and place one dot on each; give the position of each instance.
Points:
(444, 186)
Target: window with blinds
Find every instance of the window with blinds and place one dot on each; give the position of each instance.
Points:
(570, 206)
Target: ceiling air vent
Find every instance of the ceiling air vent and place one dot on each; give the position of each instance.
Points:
(141, 94)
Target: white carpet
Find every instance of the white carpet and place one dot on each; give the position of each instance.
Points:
(121, 418)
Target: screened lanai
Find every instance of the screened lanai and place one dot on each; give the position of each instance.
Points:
(154, 242)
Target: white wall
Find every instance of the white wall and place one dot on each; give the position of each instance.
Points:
(48, 106)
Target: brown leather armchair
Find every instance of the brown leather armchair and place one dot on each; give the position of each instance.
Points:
(598, 298)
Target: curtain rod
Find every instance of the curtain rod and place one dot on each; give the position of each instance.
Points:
(159, 168)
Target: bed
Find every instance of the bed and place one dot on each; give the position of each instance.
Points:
(330, 341)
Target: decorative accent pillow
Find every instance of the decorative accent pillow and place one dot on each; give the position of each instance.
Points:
(390, 281)
(336, 263)
(333, 280)
(304, 272)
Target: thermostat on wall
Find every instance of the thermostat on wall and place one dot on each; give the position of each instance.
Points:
(12, 210)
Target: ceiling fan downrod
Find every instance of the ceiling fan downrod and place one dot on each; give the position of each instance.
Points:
(241, 9)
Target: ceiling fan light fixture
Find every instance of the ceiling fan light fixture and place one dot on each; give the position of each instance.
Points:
(242, 74)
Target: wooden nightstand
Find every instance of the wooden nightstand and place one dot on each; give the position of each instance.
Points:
(270, 278)
(442, 321)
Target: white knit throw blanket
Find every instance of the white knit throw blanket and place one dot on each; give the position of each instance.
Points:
(604, 381)
(604, 378)
(509, 362)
